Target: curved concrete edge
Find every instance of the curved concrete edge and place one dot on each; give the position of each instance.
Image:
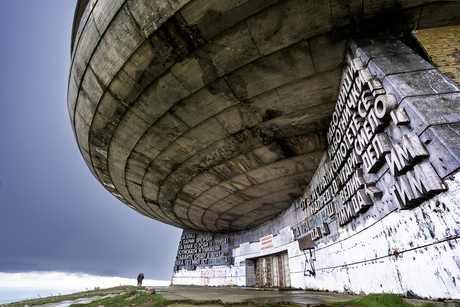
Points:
(79, 10)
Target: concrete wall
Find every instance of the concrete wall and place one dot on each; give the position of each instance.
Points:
(412, 250)
(406, 246)
(406, 251)
(212, 116)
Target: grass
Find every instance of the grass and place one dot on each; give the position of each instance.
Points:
(287, 289)
(377, 300)
(262, 304)
(73, 296)
(120, 301)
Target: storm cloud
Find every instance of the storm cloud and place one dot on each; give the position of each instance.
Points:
(54, 215)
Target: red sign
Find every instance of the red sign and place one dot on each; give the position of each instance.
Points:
(266, 242)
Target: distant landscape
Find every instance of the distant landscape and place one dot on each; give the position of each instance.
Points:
(33, 285)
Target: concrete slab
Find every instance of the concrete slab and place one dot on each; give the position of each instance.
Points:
(242, 295)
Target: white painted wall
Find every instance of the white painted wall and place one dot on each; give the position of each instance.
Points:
(427, 261)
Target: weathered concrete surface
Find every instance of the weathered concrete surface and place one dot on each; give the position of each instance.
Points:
(211, 115)
(242, 295)
(409, 248)
(409, 252)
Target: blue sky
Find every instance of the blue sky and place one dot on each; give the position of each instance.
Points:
(54, 215)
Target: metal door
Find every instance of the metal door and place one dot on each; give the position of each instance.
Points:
(272, 271)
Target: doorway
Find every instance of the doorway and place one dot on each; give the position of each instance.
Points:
(273, 271)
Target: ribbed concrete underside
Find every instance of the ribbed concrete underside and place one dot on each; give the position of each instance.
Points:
(210, 114)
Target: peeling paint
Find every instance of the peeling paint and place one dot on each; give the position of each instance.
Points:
(396, 254)
(101, 151)
(109, 185)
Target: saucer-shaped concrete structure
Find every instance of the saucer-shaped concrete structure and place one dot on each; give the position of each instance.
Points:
(212, 114)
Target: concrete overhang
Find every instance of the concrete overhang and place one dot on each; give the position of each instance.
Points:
(79, 10)
(212, 114)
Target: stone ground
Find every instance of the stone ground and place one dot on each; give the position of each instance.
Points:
(243, 295)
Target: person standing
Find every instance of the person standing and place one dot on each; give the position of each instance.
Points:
(140, 277)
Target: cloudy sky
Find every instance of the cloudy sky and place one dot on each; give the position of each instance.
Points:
(54, 215)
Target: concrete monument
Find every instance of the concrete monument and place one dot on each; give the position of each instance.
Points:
(312, 144)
